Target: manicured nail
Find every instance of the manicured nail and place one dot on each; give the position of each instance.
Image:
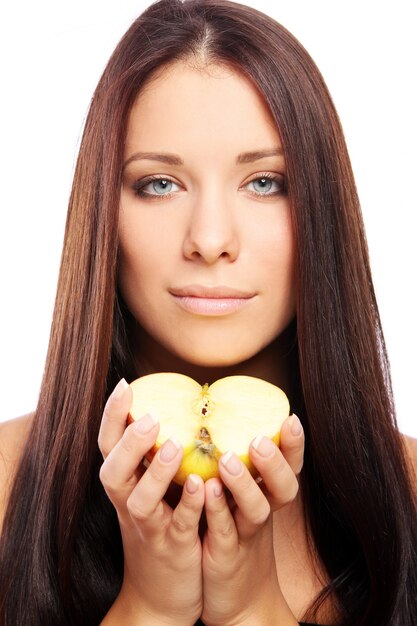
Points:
(296, 427)
(146, 423)
(192, 484)
(264, 446)
(217, 490)
(169, 449)
(232, 463)
(119, 390)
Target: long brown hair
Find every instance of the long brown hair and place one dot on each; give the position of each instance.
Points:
(61, 557)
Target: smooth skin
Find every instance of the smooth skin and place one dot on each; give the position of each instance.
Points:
(211, 221)
(171, 577)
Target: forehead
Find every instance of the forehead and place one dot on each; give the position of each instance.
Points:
(214, 101)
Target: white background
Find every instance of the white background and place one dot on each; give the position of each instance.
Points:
(51, 57)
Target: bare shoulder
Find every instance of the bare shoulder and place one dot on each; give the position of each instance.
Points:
(410, 444)
(13, 435)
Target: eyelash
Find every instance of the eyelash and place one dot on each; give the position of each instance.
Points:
(139, 185)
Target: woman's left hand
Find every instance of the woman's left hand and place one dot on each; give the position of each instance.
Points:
(240, 583)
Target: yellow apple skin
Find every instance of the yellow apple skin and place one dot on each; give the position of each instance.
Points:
(207, 419)
(193, 462)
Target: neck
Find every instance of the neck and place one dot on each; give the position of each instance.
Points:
(272, 363)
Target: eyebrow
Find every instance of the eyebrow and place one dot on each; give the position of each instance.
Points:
(175, 159)
(256, 155)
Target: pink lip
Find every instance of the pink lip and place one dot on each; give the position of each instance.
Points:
(211, 300)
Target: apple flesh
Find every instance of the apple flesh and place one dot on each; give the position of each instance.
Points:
(209, 420)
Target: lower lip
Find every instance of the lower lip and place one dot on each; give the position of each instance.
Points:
(211, 306)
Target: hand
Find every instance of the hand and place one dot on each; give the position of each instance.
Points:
(240, 582)
(162, 550)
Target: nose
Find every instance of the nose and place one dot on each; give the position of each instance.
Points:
(212, 231)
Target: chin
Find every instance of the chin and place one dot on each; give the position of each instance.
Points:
(219, 357)
(214, 361)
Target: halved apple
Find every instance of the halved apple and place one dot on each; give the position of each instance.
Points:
(207, 419)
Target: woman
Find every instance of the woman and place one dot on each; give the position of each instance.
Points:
(212, 159)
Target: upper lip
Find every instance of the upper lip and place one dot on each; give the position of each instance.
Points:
(204, 291)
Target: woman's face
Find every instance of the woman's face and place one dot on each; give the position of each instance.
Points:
(206, 241)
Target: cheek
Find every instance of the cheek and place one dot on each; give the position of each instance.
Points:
(280, 268)
(276, 248)
(136, 268)
(144, 250)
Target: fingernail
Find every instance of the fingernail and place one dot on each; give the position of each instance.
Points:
(296, 427)
(231, 463)
(169, 449)
(146, 423)
(119, 390)
(217, 490)
(192, 484)
(263, 446)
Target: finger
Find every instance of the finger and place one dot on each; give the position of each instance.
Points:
(292, 443)
(253, 508)
(145, 502)
(278, 478)
(186, 515)
(222, 536)
(120, 472)
(115, 413)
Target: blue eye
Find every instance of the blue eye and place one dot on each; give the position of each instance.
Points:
(161, 186)
(267, 182)
(158, 186)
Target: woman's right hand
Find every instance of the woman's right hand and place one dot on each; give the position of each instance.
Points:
(162, 551)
